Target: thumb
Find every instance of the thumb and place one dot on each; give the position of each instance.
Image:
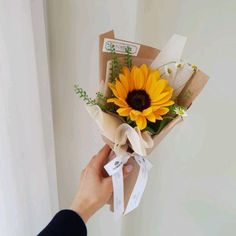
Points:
(127, 169)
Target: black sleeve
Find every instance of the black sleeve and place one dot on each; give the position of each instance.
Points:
(65, 223)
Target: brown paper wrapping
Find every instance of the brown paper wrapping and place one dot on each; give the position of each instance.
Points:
(191, 90)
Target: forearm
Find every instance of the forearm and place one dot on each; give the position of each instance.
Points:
(65, 222)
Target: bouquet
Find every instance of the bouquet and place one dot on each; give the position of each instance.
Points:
(144, 93)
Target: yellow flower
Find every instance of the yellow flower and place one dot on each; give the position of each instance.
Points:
(141, 95)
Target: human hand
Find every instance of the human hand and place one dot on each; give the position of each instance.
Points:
(95, 188)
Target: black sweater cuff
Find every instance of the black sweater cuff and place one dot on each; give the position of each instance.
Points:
(65, 222)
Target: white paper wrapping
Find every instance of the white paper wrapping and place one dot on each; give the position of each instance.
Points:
(171, 52)
(120, 133)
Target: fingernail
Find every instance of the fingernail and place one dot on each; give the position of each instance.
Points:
(129, 168)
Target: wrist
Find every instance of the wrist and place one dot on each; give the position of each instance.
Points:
(84, 208)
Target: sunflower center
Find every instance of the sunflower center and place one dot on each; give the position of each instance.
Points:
(138, 100)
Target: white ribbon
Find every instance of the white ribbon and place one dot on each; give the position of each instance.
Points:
(140, 184)
(115, 169)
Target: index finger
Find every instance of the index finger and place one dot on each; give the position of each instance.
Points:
(101, 157)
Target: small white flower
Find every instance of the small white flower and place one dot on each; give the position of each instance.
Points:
(194, 67)
(181, 111)
(178, 65)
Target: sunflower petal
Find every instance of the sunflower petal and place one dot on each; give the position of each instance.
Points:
(168, 89)
(131, 84)
(132, 71)
(157, 88)
(145, 71)
(126, 72)
(162, 84)
(122, 92)
(141, 122)
(134, 114)
(162, 101)
(150, 70)
(118, 102)
(163, 96)
(124, 111)
(150, 80)
(124, 81)
(138, 78)
(113, 89)
(162, 111)
(167, 104)
(158, 117)
(151, 117)
(147, 111)
(132, 77)
(154, 108)
(157, 74)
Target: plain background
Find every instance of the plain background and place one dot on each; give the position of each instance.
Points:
(28, 189)
(192, 187)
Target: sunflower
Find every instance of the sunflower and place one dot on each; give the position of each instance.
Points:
(141, 95)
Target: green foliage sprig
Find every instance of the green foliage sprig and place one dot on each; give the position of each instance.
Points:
(84, 96)
(115, 65)
(100, 99)
(128, 57)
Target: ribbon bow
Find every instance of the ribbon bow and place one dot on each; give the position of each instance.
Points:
(115, 169)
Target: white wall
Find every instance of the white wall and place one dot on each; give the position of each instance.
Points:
(191, 189)
(28, 193)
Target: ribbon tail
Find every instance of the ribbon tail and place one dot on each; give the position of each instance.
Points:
(140, 184)
(115, 169)
(118, 193)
